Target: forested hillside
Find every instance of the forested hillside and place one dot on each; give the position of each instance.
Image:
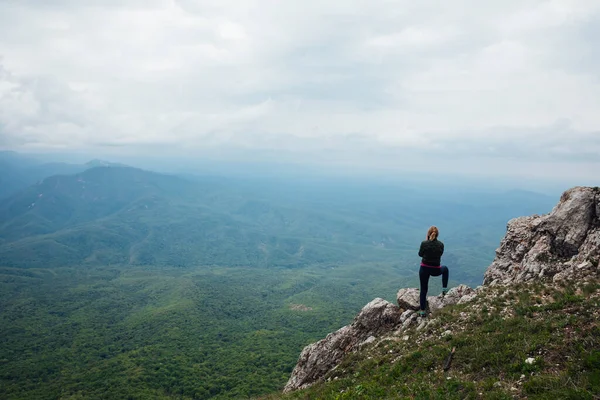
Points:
(138, 284)
(119, 215)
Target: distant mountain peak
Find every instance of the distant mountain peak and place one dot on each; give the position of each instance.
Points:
(102, 163)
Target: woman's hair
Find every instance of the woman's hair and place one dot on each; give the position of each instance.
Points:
(432, 233)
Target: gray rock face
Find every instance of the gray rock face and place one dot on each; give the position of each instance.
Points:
(460, 294)
(408, 298)
(375, 319)
(405, 315)
(553, 245)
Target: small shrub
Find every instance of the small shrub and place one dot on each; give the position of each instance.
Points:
(590, 288)
(592, 365)
(541, 384)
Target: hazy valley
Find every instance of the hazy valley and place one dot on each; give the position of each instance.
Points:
(136, 283)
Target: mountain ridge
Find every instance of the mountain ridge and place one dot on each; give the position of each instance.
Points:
(19, 171)
(165, 219)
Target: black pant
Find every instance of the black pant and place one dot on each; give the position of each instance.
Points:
(424, 274)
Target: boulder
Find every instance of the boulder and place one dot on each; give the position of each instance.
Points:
(406, 314)
(408, 299)
(454, 296)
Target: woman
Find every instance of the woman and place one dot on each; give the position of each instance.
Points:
(431, 251)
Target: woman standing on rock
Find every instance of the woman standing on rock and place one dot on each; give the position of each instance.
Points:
(431, 251)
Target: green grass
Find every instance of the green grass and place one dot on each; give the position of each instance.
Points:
(560, 331)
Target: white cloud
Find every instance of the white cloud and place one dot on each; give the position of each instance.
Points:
(413, 37)
(467, 76)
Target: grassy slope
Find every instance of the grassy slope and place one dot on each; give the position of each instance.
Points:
(493, 337)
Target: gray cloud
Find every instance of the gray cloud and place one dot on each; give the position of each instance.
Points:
(365, 79)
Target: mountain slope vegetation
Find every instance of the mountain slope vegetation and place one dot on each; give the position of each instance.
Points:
(158, 332)
(119, 215)
(126, 283)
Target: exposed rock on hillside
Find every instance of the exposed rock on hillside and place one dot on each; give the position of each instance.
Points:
(376, 318)
(457, 295)
(408, 298)
(562, 245)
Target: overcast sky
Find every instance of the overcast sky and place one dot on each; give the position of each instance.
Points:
(488, 86)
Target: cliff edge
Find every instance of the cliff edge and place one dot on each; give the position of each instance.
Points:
(558, 248)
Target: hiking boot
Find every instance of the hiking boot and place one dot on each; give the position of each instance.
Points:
(422, 314)
(444, 291)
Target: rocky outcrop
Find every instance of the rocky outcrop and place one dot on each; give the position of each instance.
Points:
(408, 298)
(561, 245)
(376, 318)
(457, 295)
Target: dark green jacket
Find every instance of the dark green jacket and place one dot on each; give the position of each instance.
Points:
(431, 251)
